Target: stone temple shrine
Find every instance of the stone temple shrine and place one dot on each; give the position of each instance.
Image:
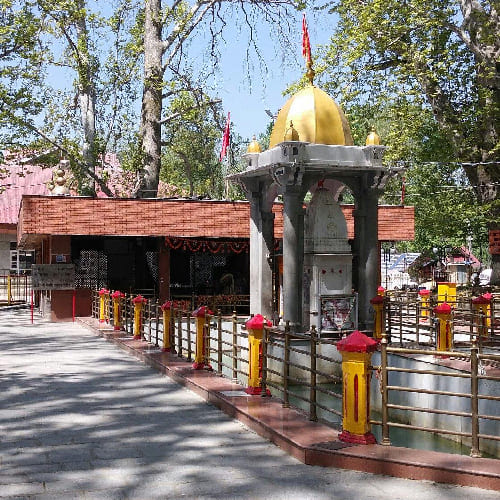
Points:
(311, 151)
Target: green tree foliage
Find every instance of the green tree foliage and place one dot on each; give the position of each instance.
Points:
(68, 84)
(434, 66)
(169, 29)
(189, 161)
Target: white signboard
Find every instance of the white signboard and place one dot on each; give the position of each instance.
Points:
(53, 276)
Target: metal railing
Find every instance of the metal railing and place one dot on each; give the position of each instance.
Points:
(15, 288)
(414, 386)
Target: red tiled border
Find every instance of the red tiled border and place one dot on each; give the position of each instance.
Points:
(293, 432)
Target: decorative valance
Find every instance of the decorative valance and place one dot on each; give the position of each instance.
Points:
(207, 245)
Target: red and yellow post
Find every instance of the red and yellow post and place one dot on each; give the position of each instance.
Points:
(489, 297)
(117, 297)
(378, 307)
(202, 315)
(425, 296)
(255, 327)
(167, 317)
(480, 306)
(138, 302)
(103, 305)
(444, 335)
(356, 350)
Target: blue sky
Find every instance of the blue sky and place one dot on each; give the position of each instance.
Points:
(247, 101)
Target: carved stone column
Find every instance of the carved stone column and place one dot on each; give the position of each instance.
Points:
(366, 238)
(293, 255)
(261, 249)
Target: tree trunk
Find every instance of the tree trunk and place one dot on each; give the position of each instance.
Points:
(150, 132)
(86, 103)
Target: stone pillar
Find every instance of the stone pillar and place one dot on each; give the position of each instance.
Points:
(293, 256)
(366, 235)
(261, 248)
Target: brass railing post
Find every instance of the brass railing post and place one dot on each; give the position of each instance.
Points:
(219, 342)
(149, 321)
(474, 368)
(172, 329)
(188, 333)
(312, 393)
(263, 378)
(179, 332)
(235, 346)
(157, 320)
(206, 341)
(286, 365)
(385, 396)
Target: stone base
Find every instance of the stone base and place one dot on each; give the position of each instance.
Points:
(201, 366)
(348, 437)
(256, 391)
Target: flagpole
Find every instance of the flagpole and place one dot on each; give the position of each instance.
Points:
(225, 145)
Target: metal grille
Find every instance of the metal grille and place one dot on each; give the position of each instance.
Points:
(152, 262)
(91, 269)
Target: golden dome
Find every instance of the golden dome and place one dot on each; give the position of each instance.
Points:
(316, 118)
(291, 134)
(254, 146)
(373, 138)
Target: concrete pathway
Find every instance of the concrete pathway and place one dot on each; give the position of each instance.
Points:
(80, 418)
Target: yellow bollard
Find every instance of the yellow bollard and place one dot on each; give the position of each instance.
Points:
(202, 315)
(255, 327)
(356, 350)
(103, 304)
(167, 316)
(138, 302)
(444, 336)
(447, 292)
(378, 306)
(489, 298)
(480, 307)
(425, 296)
(117, 297)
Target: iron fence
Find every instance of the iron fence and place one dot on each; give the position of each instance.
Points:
(414, 386)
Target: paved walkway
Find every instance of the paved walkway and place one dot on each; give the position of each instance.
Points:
(80, 418)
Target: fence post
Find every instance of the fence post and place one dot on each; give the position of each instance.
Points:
(444, 335)
(179, 332)
(255, 326)
(117, 299)
(138, 302)
(235, 346)
(312, 393)
(356, 350)
(103, 304)
(474, 368)
(286, 365)
(199, 359)
(166, 308)
(188, 324)
(219, 342)
(157, 321)
(264, 391)
(383, 389)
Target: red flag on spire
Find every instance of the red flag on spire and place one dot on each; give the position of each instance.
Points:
(306, 44)
(225, 138)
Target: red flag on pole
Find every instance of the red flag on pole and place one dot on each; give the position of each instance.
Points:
(403, 189)
(225, 138)
(306, 44)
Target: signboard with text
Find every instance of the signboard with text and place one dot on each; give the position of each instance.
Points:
(53, 276)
